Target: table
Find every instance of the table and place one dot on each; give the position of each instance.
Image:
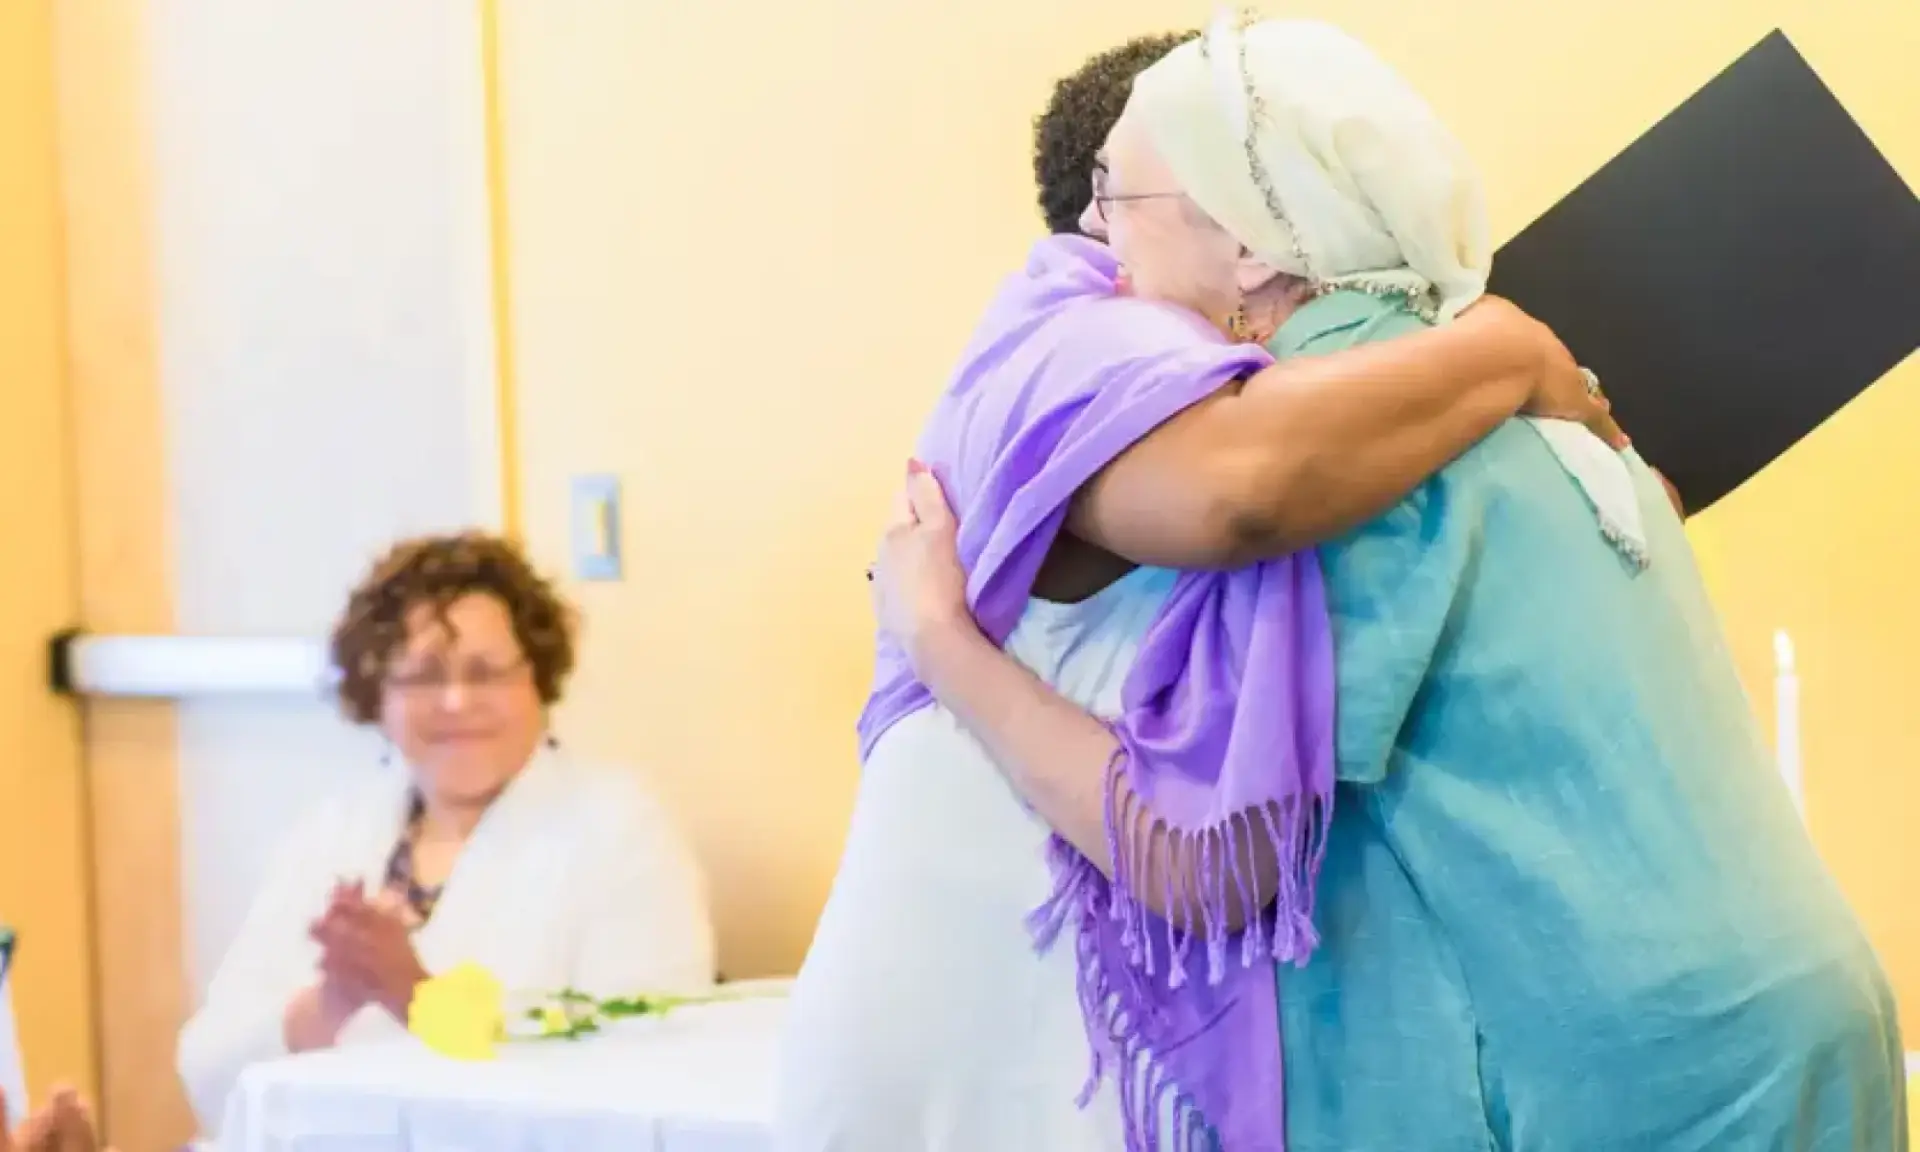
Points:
(700, 1080)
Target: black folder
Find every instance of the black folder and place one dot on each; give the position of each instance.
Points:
(1736, 276)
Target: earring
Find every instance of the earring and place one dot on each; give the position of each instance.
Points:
(1238, 326)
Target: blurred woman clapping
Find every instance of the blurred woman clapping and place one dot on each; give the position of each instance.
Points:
(487, 845)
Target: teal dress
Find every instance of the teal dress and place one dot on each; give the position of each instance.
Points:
(1567, 904)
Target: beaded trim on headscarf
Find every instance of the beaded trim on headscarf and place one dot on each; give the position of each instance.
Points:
(1425, 305)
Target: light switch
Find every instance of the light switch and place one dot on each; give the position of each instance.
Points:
(596, 527)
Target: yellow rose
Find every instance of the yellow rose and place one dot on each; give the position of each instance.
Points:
(460, 1013)
(554, 1021)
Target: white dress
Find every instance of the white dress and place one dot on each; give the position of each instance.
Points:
(922, 1020)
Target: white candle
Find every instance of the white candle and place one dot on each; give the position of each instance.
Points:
(13, 1077)
(1786, 717)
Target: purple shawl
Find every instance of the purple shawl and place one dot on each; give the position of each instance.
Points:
(1060, 379)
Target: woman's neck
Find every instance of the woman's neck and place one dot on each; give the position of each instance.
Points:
(444, 821)
(1269, 306)
(452, 818)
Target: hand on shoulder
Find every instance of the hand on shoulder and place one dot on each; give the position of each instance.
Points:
(1562, 389)
(919, 585)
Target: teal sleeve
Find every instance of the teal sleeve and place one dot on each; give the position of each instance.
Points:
(1391, 583)
(1391, 605)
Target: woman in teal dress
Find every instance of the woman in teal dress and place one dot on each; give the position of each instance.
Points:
(1565, 903)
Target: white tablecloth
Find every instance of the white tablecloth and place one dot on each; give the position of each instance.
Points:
(700, 1080)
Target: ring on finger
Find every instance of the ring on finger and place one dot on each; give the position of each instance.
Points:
(1592, 380)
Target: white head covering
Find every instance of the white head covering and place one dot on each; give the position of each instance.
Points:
(1323, 163)
(1346, 175)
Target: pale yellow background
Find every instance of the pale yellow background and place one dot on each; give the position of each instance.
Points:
(43, 892)
(746, 247)
(100, 990)
(745, 241)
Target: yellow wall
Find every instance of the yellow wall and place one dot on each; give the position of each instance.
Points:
(748, 240)
(42, 849)
(118, 539)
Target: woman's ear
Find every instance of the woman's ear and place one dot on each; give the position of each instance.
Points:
(1252, 274)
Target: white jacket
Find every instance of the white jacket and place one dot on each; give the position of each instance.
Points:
(575, 878)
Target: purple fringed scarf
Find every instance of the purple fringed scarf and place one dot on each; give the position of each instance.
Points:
(1060, 379)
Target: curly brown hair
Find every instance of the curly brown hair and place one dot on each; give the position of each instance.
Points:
(439, 570)
(1084, 108)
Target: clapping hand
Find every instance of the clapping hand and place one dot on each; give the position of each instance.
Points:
(366, 949)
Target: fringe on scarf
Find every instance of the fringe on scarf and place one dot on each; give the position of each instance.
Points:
(1119, 998)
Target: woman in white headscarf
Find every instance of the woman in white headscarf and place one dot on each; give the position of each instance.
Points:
(1565, 903)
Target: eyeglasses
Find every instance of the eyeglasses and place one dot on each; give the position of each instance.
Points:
(1102, 197)
(476, 675)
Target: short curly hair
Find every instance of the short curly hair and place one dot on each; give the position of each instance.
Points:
(1083, 110)
(438, 570)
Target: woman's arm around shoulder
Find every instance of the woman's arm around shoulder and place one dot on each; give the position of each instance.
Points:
(645, 924)
(1312, 447)
(1055, 755)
